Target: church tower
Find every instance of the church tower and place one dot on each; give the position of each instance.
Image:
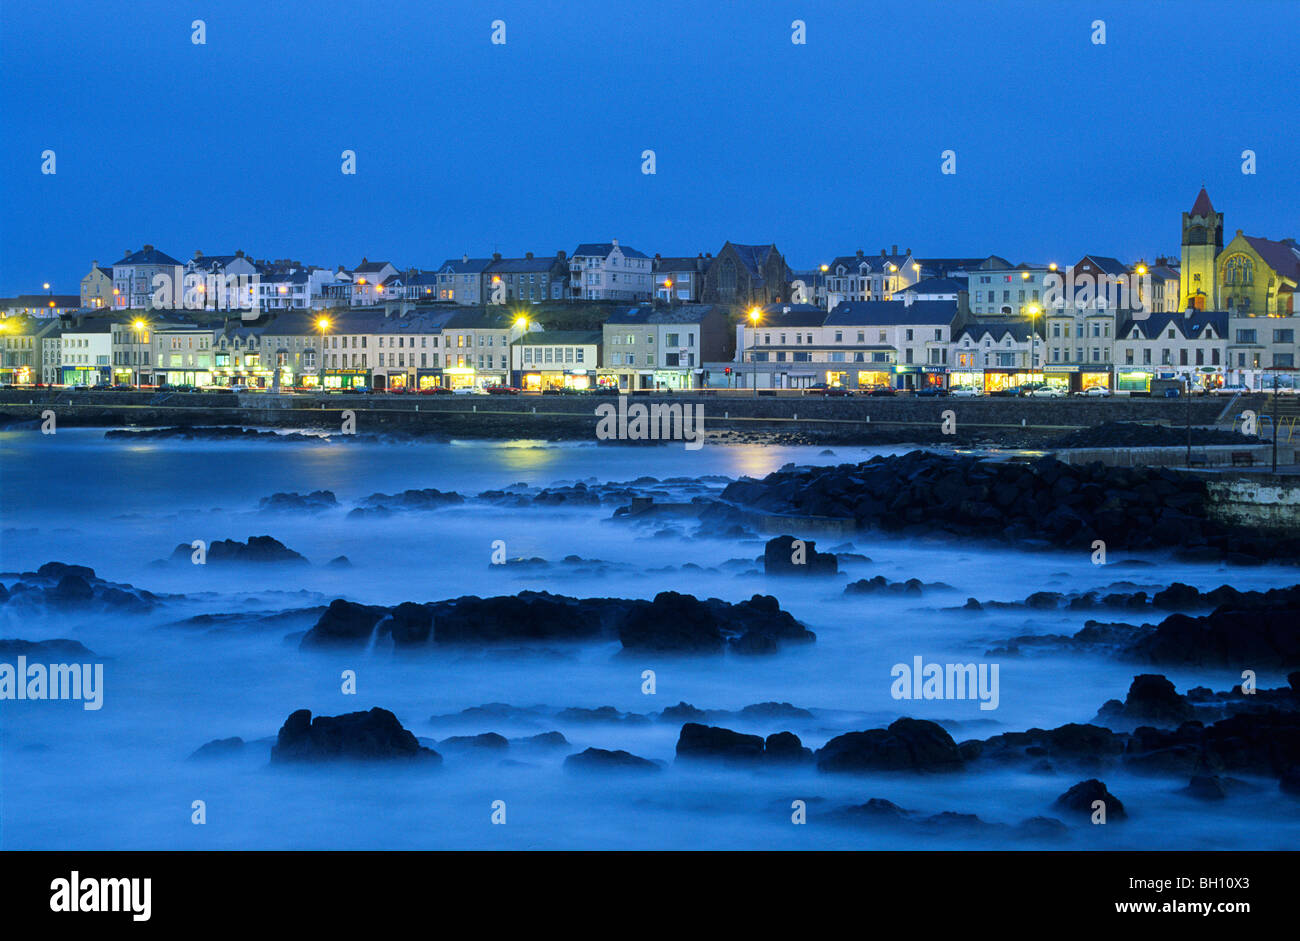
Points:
(1202, 242)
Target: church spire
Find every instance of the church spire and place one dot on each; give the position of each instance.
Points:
(1202, 206)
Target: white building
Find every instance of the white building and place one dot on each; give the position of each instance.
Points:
(607, 271)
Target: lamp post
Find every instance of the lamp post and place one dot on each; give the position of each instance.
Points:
(821, 283)
(1033, 338)
(522, 324)
(754, 314)
(323, 325)
(137, 328)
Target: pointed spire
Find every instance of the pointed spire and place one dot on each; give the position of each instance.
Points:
(1202, 206)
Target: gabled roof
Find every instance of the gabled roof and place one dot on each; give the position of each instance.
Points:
(603, 250)
(147, 256)
(998, 330)
(477, 318)
(1190, 324)
(1105, 264)
(753, 257)
(936, 286)
(790, 315)
(891, 313)
(464, 265)
(526, 265)
(645, 314)
(368, 266)
(1282, 256)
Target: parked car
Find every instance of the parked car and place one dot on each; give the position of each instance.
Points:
(469, 390)
(931, 392)
(239, 388)
(435, 390)
(501, 390)
(882, 390)
(1230, 388)
(123, 387)
(361, 390)
(825, 388)
(1048, 392)
(1096, 392)
(964, 392)
(101, 387)
(1005, 393)
(603, 390)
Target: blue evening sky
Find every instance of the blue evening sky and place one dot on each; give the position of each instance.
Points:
(1063, 147)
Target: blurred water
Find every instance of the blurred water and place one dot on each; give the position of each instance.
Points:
(118, 778)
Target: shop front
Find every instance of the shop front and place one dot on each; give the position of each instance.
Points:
(85, 375)
(459, 377)
(906, 377)
(347, 378)
(673, 379)
(542, 380)
(428, 378)
(966, 379)
(18, 375)
(1132, 380)
(934, 377)
(871, 378)
(1008, 379)
(1062, 376)
(185, 377)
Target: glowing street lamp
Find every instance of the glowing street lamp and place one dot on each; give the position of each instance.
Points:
(323, 325)
(1033, 310)
(754, 315)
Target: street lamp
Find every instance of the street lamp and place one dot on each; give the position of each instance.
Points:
(137, 327)
(821, 283)
(754, 314)
(323, 325)
(522, 323)
(1034, 311)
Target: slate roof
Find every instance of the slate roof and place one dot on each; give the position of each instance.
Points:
(1282, 256)
(149, 256)
(891, 313)
(1191, 324)
(1019, 330)
(603, 249)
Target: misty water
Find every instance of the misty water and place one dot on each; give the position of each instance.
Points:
(119, 778)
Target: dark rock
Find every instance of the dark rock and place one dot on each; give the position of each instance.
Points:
(602, 760)
(907, 745)
(1079, 799)
(711, 743)
(355, 736)
(1206, 787)
(219, 748)
(781, 556)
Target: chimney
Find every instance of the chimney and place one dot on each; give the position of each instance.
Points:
(561, 255)
(908, 253)
(860, 253)
(894, 250)
(464, 258)
(614, 242)
(528, 254)
(496, 256)
(149, 248)
(908, 298)
(198, 253)
(239, 253)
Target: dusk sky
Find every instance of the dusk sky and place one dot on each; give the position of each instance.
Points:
(1062, 146)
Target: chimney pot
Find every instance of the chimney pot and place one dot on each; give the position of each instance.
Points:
(614, 242)
(893, 250)
(528, 254)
